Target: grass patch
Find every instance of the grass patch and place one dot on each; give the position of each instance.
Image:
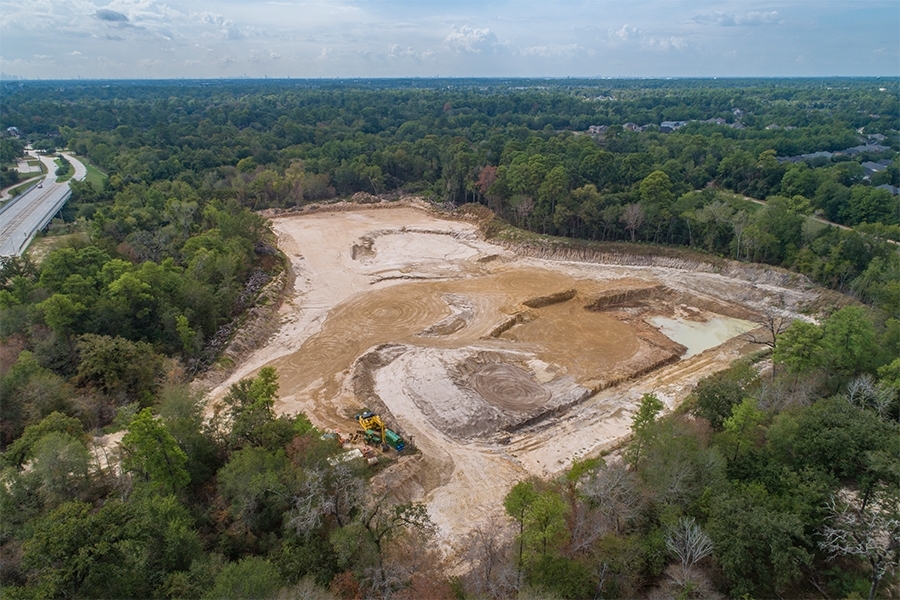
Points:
(70, 171)
(94, 176)
(23, 186)
(43, 245)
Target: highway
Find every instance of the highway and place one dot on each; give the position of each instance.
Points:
(23, 216)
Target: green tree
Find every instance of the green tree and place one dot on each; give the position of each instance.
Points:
(642, 426)
(518, 503)
(760, 548)
(716, 395)
(656, 189)
(850, 342)
(23, 448)
(60, 468)
(122, 550)
(253, 578)
(800, 347)
(743, 424)
(119, 368)
(152, 454)
(183, 413)
(256, 483)
(251, 403)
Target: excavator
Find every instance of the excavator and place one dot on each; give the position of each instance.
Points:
(377, 433)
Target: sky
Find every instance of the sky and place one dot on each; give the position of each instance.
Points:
(131, 39)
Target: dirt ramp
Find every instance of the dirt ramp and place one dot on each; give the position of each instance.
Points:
(542, 301)
(618, 297)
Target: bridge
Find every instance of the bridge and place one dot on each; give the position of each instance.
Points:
(26, 214)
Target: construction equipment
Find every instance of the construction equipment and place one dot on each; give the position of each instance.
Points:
(376, 433)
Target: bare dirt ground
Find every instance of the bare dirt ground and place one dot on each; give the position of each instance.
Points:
(496, 365)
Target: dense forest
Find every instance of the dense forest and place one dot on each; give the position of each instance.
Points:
(778, 481)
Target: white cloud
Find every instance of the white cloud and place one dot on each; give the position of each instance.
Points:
(467, 39)
(626, 33)
(751, 18)
(634, 36)
(553, 50)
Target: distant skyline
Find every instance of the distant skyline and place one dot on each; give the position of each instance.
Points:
(124, 39)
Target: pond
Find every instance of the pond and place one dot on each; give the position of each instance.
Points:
(699, 336)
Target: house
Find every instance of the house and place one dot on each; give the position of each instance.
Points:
(597, 129)
(894, 190)
(871, 168)
(863, 148)
(738, 113)
(670, 126)
(806, 157)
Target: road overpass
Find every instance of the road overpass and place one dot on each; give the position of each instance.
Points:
(26, 214)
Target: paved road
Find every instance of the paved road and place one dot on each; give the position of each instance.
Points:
(25, 215)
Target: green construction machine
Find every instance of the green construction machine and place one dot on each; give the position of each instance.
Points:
(377, 433)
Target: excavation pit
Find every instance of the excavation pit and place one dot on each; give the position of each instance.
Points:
(497, 366)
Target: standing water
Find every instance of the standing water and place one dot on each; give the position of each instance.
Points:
(700, 336)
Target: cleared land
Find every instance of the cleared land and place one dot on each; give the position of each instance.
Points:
(495, 364)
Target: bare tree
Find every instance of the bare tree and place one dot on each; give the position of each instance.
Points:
(633, 217)
(336, 493)
(870, 531)
(615, 493)
(492, 572)
(523, 205)
(586, 526)
(781, 393)
(690, 544)
(864, 392)
(772, 322)
(740, 222)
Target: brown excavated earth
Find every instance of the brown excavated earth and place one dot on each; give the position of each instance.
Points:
(497, 365)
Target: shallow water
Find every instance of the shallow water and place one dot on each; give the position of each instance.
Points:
(697, 336)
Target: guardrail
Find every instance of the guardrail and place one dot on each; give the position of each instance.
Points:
(13, 200)
(56, 208)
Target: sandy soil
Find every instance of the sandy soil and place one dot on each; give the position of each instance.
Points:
(495, 365)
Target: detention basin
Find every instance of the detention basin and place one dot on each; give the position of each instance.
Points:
(699, 336)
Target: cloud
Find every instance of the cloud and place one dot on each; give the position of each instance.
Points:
(634, 36)
(226, 27)
(475, 41)
(74, 53)
(553, 50)
(104, 14)
(408, 52)
(625, 34)
(750, 19)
